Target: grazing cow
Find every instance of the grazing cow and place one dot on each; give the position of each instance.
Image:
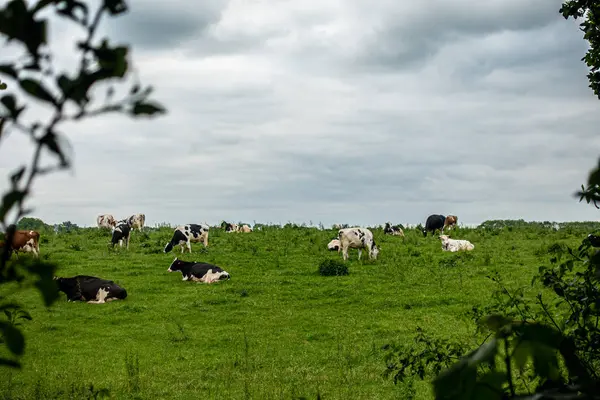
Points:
(198, 272)
(106, 221)
(450, 221)
(357, 238)
(434, 222)
(121, 233)
(22, 241)
(137, 221)
(334, 245)
(395, 230)
(185, 234)
(91, 289)
(454, 245)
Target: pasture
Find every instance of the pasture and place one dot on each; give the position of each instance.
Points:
(277, 329)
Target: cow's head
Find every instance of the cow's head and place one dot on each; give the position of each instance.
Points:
(374, 250)
(175, 265)
(65, 284)
(424, 232)
(444, 238)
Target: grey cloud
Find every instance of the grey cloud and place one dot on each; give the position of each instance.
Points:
(407, 40)
(498, 123)
(165, 25)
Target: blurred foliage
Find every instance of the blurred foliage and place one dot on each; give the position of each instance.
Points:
(546, 350)
(69, 96)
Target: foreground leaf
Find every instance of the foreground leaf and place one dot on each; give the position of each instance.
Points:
(37, 90)
(147, 109)
(15, 341)
(9, 363)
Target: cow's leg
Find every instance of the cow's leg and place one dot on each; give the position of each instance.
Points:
(100, 297)
(359, 253)
(111, 299)
(345, 253)
(189, 247)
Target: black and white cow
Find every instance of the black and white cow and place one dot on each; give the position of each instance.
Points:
(434, 222)
(91, 289)
(395, 230)
(357, 238)
(229, 227)
(198, 272)
(121, 233)
(185, 234)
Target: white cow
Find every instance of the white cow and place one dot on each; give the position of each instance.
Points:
(454, 245)
(137, 221)
(357, 238)
(334, 245)
(244, 229)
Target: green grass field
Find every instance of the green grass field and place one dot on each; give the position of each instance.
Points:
(277, 329)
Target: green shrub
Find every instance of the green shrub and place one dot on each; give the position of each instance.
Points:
(333, 268)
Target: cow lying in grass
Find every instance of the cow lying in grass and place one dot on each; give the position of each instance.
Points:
(230, 228)
(334, 245)
(91, 289)
(454, 245)
(198, 272)
(395, 230)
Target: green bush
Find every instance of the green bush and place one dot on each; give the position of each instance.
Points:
(333, 268)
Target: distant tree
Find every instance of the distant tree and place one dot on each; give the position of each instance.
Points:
(32, 223)
(69, 96)
(66, 227)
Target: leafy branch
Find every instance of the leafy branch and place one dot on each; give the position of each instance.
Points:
(98, 64)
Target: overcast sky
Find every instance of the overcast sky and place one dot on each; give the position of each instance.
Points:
(330, 111)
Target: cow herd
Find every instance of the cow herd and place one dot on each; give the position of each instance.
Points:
(96, 290)
(362, 238)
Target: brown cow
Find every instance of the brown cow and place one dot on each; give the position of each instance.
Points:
(450, 221)
(106, 221)
(25, 241)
